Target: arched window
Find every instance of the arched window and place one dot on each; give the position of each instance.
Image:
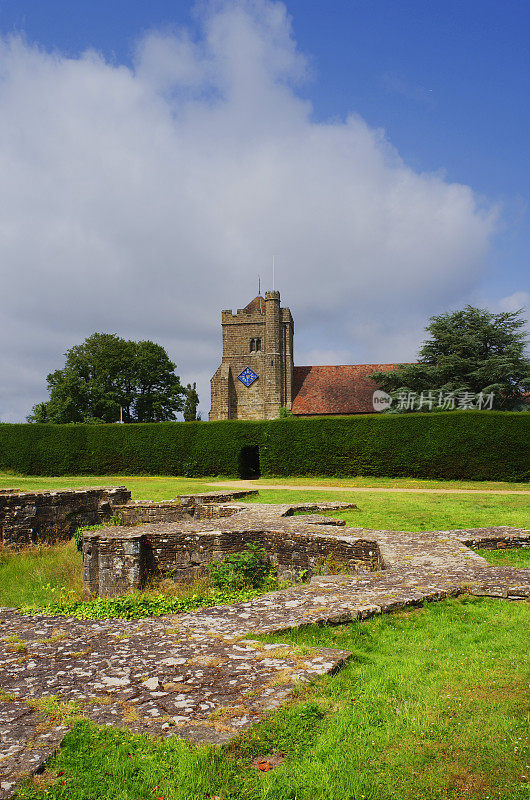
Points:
(252, 345)
(258, 344)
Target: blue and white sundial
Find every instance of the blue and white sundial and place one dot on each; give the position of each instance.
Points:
(248, 376)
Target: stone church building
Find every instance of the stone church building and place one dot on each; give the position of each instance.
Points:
(257, 376)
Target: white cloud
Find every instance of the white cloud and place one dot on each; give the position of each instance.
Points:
(143, 200)
(514, 302)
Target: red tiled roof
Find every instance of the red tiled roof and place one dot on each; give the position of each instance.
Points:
(258, 304)
(335, 390)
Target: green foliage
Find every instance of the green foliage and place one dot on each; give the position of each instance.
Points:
(106, 374)
(136, 605)
(191, 403)
(247, 569)
(472, 445)
(467, 445)
(78, 535)
(471, 350)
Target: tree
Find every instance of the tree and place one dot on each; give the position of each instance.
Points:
(469, 350)
(191, 403)
(107, 373)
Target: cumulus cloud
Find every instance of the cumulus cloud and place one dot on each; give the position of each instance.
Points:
(142, 199)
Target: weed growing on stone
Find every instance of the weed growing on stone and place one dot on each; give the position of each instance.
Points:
(247, 569)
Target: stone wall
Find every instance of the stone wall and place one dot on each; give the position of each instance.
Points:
(118, 560)
(30, 517)
(185, 507)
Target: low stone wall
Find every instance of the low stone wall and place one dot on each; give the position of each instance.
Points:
(185, 507)
(493, 538)
(50, 516)
(30, 517)
(118, 560)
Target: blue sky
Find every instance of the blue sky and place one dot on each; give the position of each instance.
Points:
(447, 81)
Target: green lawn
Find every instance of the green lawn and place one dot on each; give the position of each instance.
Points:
(391, 483)
(165, 487)
(433, 705)
(142, 487)
(32, 577)
(417, 512)
(518, 557)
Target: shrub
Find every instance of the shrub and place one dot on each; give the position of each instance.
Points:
(458, 445)
(247, 569)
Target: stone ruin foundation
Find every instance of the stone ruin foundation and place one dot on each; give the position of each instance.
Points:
(121, 559)
(202, 675)
(28, 518)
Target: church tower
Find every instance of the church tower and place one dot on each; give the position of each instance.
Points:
(255, 378)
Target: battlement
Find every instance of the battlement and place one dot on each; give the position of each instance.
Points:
(242, 317)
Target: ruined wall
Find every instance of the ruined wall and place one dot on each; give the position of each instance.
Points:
(121, 560)
(185, 507)
(31, 517)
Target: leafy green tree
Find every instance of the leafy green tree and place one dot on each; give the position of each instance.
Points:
(191, 403)
(107, 373)
(470, 350)
(159, 394)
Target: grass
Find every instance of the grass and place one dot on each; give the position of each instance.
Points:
(433, 705)
(142, 487)
(518, 557)
(416, 512)
(364, 481)
(34, 576)
(162, 487)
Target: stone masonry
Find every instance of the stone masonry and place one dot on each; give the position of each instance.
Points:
(121, 559)
(258, 337)
(30, 517)
(257, 376)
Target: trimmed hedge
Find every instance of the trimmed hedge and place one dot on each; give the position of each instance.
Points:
(454, 445)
